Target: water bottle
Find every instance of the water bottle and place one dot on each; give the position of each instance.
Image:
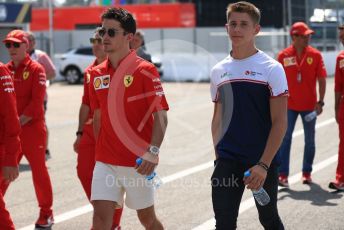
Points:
(310, 116)
(153, 178)
(261, 196)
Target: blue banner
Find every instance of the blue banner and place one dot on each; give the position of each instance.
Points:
(15, 13)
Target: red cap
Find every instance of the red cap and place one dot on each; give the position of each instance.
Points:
(16, 36)
(300, 28)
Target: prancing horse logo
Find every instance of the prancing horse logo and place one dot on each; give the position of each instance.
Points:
(128, 80)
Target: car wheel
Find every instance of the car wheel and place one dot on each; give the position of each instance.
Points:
(73, 75)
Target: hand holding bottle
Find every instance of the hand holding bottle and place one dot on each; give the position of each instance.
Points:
(152, 178)
(147, 165)
(311, 116)
(318, 108)
(256, 178)
(260, 195)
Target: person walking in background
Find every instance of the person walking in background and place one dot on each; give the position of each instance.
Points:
(249, 90)
(140, 110)
(29, 84)
(338, 184)
(42, 58)
(304, 67)
(9, 141)
(138, 44)
(85, 144)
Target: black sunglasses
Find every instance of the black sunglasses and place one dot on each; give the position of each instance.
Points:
(95, 40)
(9, 45)
(111, 32)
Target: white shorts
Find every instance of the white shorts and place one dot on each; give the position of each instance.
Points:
(111, 182)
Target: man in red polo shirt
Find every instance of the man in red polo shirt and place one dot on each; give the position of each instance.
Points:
(9, 141)
(304, 67)
(85, 143)
(29, 84)
(338, 184)
(130, 125)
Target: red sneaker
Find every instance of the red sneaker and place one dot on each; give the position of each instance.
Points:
(45, 221)
(283, 181)
(337, 186)
(306, 178)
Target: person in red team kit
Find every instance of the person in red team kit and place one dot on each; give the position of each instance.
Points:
(338, 184)
(85, 144)
(304, 67)
(29, 84)
(129, 121)
(9, 141)
(50, 71)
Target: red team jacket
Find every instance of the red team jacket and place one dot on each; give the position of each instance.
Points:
(339, 74)
(29, 83)
(9, 123)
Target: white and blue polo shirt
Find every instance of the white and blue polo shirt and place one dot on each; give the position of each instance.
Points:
(245, 88)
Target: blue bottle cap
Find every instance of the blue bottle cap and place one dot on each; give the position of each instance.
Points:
(139, 161)
(247, 173)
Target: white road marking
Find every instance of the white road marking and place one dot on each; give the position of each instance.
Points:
(67, 215)
(247, 204)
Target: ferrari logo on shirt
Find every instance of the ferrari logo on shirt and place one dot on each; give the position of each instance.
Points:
(309, 60)
(288, 61)
(341, 63)
(88, 78)
(128, 80)
(26, 75)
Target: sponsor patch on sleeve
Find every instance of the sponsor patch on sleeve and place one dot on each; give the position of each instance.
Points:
(7, 84)
(5, 77)
(42, 79)
(9, 90)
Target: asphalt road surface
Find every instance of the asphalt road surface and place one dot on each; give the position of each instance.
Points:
(184, 201)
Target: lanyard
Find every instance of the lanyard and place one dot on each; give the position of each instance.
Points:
(298, 76)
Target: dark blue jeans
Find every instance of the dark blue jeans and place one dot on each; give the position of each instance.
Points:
(228, 188)
(309, 150)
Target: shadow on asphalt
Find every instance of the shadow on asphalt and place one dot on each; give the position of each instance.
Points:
(316, 194)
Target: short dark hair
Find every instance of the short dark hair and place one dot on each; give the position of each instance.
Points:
(125, 18)
(244, 7)
(30, 36)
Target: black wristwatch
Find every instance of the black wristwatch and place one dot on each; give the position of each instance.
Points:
(321, 103)
(79, 133)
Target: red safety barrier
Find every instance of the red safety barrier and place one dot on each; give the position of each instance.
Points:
(147, 16)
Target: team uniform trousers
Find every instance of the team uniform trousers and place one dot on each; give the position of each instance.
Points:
(340, 165)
